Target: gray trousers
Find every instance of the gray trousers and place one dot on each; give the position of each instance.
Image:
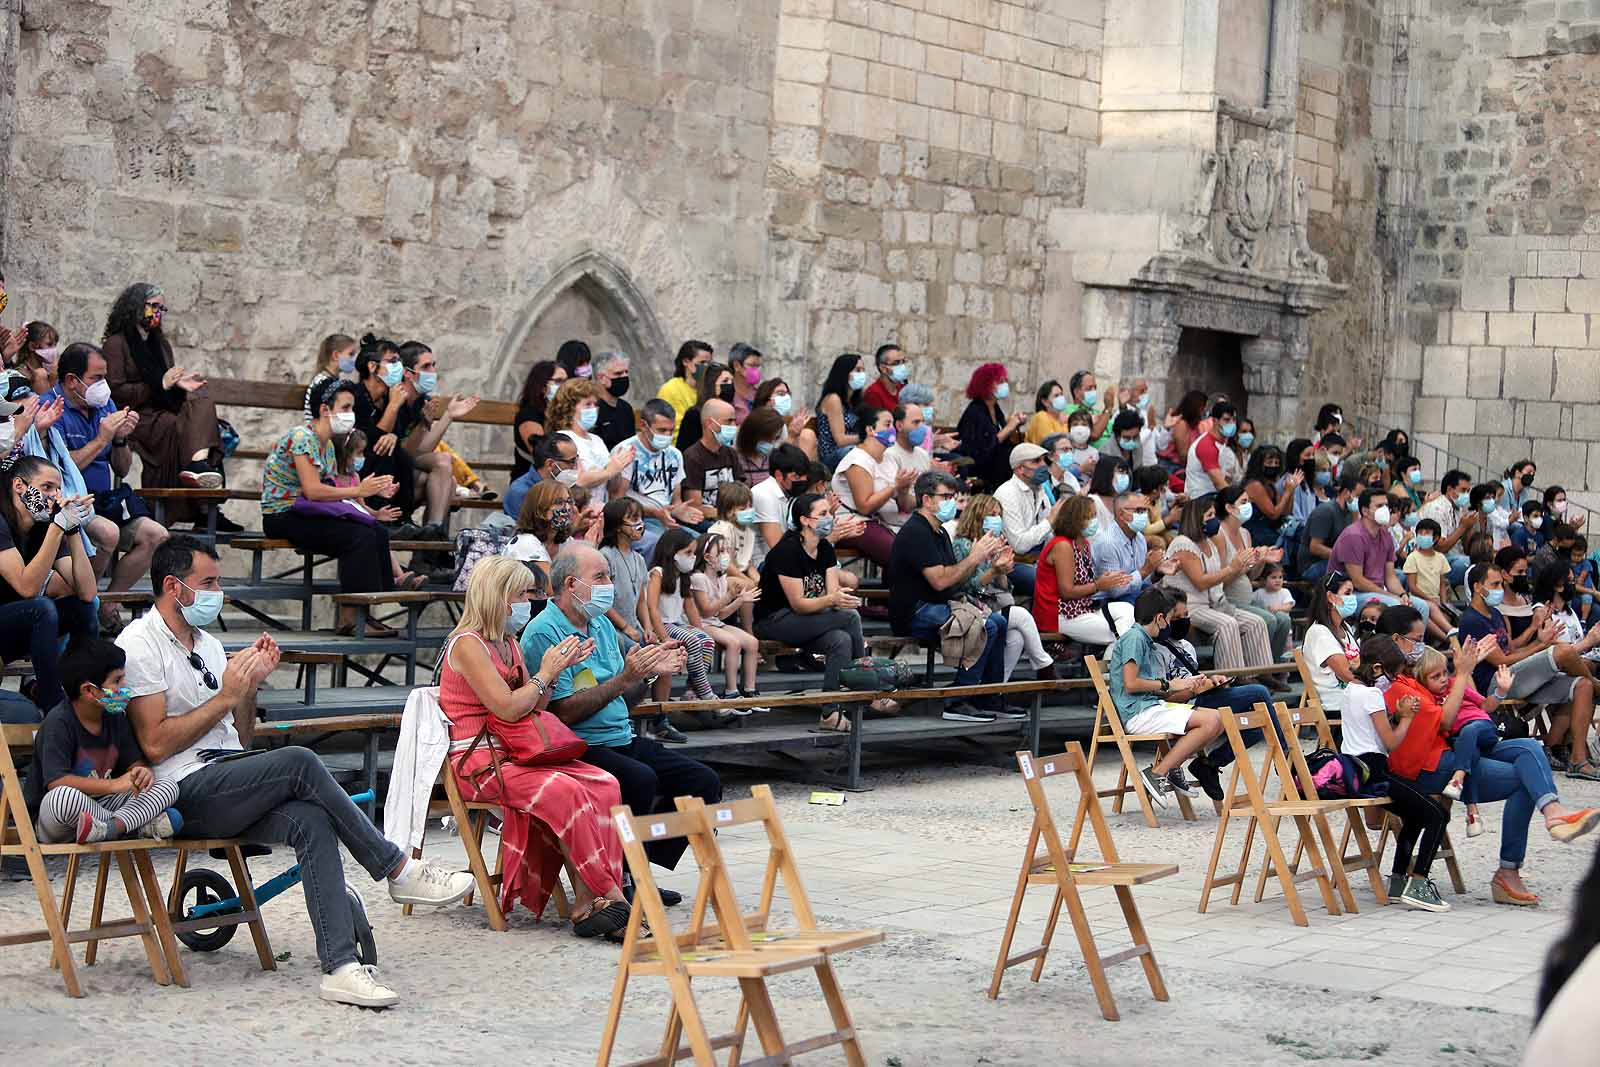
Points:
(286, 796)
(834, 634)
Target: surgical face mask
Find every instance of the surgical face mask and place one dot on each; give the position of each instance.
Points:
(918, 437)
(1424, 541)
(901, 373)
(98, 395)
(1494, 597)
(858, 379)
(660, 442)
(947, 509)
(1414, 653)
(518, 617)
(585, 371)
(1139, 521)
(684, 561)
(1002, 390)
(391, 373)
(427, 382)
(1041, 476)
(47, 356)
(357, 463)
(601, 597)
(1536, 522)
(1213, 526)
(1079, 435)
(783, 404)
(752, 376)
(1414, 476)
(587, 417)
(1353, 505)
(1487, 505)
(884, 437)
(927, 413)
(568, 478)
(1324, 478)
(1463, 500)
(115, 701)
(1092, 530)
(726, 434)
(1411, 519)
(1382, 515)
(1348, 606)
(1063, 460)
(342, 422)
(551, 390)
(1560, 506)
(1229, 429)
(1119, 482)
(1059, 402)
(1246, 439)
(723, 561)
(1247, 510)
(205, 609)
(347, 364)
(1144, 401)
(1091, 397)
(745, 516)
(765, 447)
(824, 526)
(993, 524)
(1128, 444)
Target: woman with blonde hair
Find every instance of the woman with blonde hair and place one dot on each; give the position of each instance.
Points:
(573, 414)
(556, 814)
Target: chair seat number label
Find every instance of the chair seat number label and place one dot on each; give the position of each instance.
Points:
(724, 815)
(624, 829)
(1049, 768)
(658, 829)
(1027, 766)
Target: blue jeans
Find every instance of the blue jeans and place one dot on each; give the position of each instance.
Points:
(1238, 699)
(1473, 740)
(1516, 772)
(1022, 580)
(1458, 569)
(991, 665)
(35, 628)
(1362, 599)
(1315, 569)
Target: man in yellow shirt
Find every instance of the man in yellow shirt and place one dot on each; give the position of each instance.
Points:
(680, 390)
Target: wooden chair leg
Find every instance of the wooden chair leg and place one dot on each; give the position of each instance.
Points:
(160, 917)
(405, 909)
(1244, 855)
(1083, 801)
(1341, 877)
(248, 902)
(53, 921)
(141, 915)
(1091, 953)
(91, 951)
(1130, 912)
(1320, 865)
(764, 1016)
(68, 889)
(694, 1026)
(1216, 852)
(1049, 935)
(470, 840)
(1448, 851)
(175, 891)
(1355, 829)
(839, 1012)
(673, 1031)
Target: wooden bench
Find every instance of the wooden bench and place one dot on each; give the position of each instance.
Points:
(261, 585)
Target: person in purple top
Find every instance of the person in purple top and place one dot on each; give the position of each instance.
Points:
(1365, 552)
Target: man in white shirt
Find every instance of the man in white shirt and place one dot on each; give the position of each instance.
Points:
(654, 477)
(1452, 510)
(910, 449)
(193, 708)
(1025, 510)
(790, 473)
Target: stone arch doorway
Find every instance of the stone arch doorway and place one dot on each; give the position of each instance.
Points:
(593, 299)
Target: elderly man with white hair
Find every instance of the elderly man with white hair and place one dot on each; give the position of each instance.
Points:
(616, 420)
(593, 696)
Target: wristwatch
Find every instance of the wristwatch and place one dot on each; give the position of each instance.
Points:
(119, 442)
(1166, 687)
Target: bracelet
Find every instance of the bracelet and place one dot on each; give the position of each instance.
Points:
(538, 681)
(119, 442)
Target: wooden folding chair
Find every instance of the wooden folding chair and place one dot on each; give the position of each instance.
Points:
(1447, 849)
(724, 951)
(1253, 806)
(716, 888)
(472, 821)
(1108, 730)
(1055, 866)
(1300, 786)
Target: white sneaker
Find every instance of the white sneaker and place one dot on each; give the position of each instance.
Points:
(425, 882)
(358, 985)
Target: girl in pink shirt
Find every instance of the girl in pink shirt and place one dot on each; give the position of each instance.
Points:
(1475, 735)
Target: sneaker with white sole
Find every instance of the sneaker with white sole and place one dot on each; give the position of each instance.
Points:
(1451, 790)
(1182, 783)
(164, 826)
(1475, 825)
(425, 882)
(92, 831)
(1422, 893)
(1157, 785)
(964, 712)
(358, 985)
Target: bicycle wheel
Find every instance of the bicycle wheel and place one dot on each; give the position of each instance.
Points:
(366, 947)
(201, 885)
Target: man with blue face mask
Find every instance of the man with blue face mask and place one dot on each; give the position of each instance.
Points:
(193, 710)
(1451, 509)
(1212, 462)
(593, 696)
(654, 476)
(893, 373)
(419, 425)
(1122, 547)
(1026, 506)
(710, 461)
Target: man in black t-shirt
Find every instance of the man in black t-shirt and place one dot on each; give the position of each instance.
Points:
(617, 420)
(1324, 525)
(924, 575)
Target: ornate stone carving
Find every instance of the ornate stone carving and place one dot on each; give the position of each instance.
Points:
(1301, 257)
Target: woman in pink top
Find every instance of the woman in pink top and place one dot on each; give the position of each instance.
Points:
(1475, 735)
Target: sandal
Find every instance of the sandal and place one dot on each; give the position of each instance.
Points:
(885, 706)
(602, 921)
(1504, 894)
(410, 581)
(1585, 770)
(837, 722)
(1571, 827)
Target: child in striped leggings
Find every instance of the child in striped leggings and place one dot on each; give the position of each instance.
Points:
(89, 781)
(664, 618)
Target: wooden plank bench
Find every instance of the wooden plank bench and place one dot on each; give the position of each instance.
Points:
(307, 586)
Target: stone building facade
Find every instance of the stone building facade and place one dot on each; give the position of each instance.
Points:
(1378, 202)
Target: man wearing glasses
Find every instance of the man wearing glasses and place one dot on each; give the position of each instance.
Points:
(194, 710)
(556, 458)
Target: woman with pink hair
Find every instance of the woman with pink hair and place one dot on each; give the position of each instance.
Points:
(986, 432)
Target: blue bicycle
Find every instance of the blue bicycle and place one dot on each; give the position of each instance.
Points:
(204, 892)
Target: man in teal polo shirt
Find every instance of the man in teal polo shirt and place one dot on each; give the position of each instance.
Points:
(592, 696)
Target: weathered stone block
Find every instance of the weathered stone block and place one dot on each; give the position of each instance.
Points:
(1577, 375)
(1483, 372)
(1495, 417)
(1428, 415)
(1558, 264)
(408, 207)
(1444, 368)
(1486, 294)
(1559, 462)
(1528, 373)
(208, 229)
(1510, 328)
(1561, 330)
(1539, 294)
(1460, 415)
(1583, 295)
(126, 218)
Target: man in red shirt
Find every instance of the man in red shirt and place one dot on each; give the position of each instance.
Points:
(893, 372)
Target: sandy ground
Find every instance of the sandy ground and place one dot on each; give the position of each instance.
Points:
(929, 855)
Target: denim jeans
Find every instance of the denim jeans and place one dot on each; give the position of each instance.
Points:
(1458, 569)
(1314, 569)
(1516, 772)
(1472, 741)
(34, 628)
(1023, 577)
(287, 796)
(1238, 699)
(991, 665)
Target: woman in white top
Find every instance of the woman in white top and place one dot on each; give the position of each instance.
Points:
(573, 413)
(877, 491)
(1233, 540)
(1239, 638)
(1331, 650)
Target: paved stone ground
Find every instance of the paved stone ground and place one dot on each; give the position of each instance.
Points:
(930, 855)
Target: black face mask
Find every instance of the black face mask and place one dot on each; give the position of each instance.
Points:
(1527, 480)
(1366, 628)
(619, 387)
(725, 392)
(1272, 471)
(1178, 629)
(1521, 586)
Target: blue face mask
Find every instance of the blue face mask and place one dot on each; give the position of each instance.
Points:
(601, 597)
(347, 364)
(1246, 510)
(357, 463)
(1494, 597)
(1139, 521)
(858, 380)
(205, 609)
(518, 617)
(427, 382)
(927, 413)
(115, 701)
(1212, 526)
(1091, 397)
(783, 404)
(588, 417)
(1229, 429)
(993, 524)
(884, 437)
(659, 442)
(1348, 606)
(1414, 476)
(745, 516)
(1144, 401)
(1128, 444)
(391, 373)
(766, 447)
(1002, 390)
(1424, 542)
(901, 373)
(1064, 460)
(1487, 505)
(1091, 531)
(1059, 402)
(1463, 500)
(825, 526)
(726, 434)
(1411, 519)
(1353, 504)
(1246, 439)
(1040, 476)
(1324, 478)
(947, 509)
(1119, 482)
(918, 437)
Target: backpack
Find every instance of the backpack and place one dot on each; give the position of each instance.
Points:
(475, 544)
(1336, 775)
(873, 673)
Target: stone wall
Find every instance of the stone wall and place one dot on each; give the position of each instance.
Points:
(1507, 262)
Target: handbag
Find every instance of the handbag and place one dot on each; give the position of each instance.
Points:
(875, 673)
(347, 510)
(538, 739)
